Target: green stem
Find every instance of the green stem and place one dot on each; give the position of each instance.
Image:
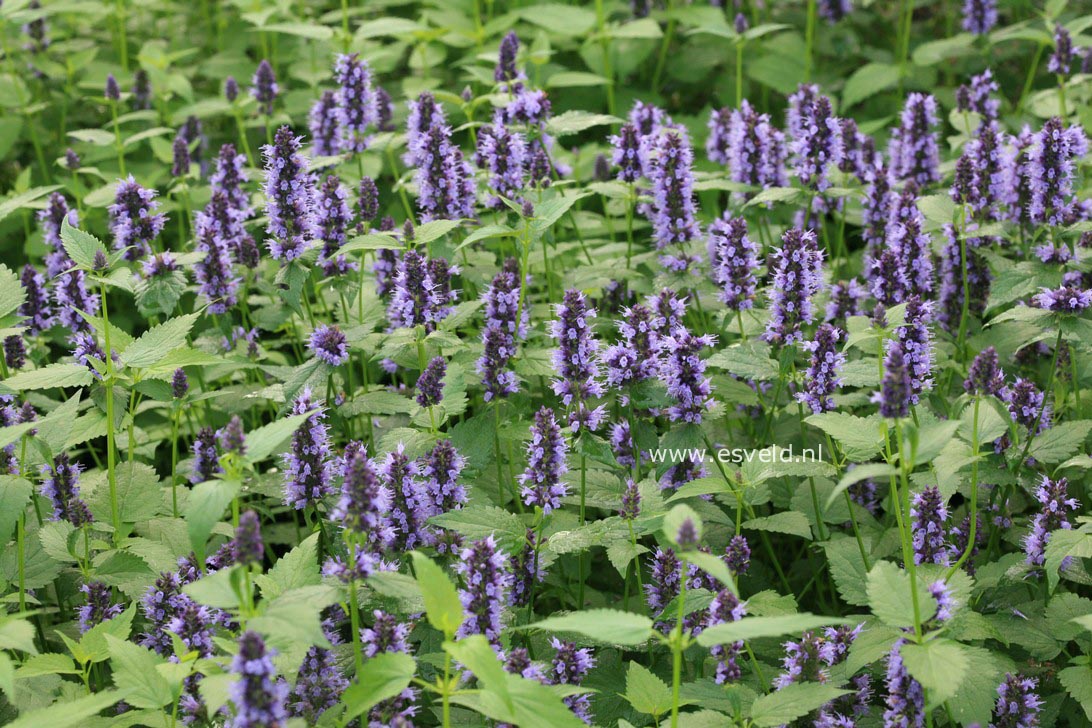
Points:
(809, 40)
(677, 647)
(118, 146)
(972, 531)
(662, 59)
(583, 521)
(115, 514)
(1030, 79)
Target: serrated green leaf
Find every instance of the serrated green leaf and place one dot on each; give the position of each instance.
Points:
(603, 625)
(750, 628)
(791, 702)
(442, 604)
(155, 343)
(134, 669)
(939, 665)
(382, 677)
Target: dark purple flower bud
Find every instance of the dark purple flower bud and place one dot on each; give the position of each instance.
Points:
(664, 583)
(328, 344)
(683, 373)
(232, 437)
(356, 101)
(734, 260)
(290, 197)
(895, 389)
(1027, 405)
(835, 10)
(687, 535)
(737, 554)
(526, 570)
(231, 89)
(504, 154)
(1052, 167)
(546, 454)
(1055, 501)
(323, 122)
(674, 209)
(718, 142)
(822, 375)
(257, 696)
(627, 155)
(61, 485)
(1062, 57)
(425, 114)
(36, 309)
(797, 278)
(740, 24)
(206, 457)
(308, 468)
(979, 16)
(430, 385)
(929, 521)
(71, 159)
(86, 351)
(112, 92)
(384, 110)
(15, 352)
(99, 606)
(133, 221)
(485, 585)
(367, 202)
(846, 298)
(248, 547)
(576, 360)
(506, 70)
(985, 375)
(264, 88)
(142, 90)
(631, 501)
(229, 178)
(913, 150)
(601, 168)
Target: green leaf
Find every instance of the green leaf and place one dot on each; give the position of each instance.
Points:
(204, 508)
(48, 377)
(442, 604)
(868, 80)
(848, 569)
(22, 200)
(92, 646)
(158, 341)
(868, 471)
(1077, 681)
(976, 696)
(573, 122)
(645, 692)
(715, 567)
(750, 361)
(1060, 441)
(219, 589)
(791, 702)
(939, 665)
(859, 436)
(298, 568)
(126, 571)
(381, 678)
(82, 247)
(1065, 545)
(67, 713)
(138, 491)
(12, 293)
(311, 31)
(261, 443)
(889, 595)
(791, 522)
(575, 79)
(294, 619)
(603, 625)
(475, 522)
(380, 402)
(750, 628)
(771, 195)
(14, 495)
(564, 20)
(50, 663)
(134, 668)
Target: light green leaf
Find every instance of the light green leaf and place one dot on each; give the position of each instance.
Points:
(298, 568)
(158, 341)
(1077, 681)
(868, 80)
(791, 702)
(134, 668)
(261, 443)
(82, 247)
(48, 377)
(69, 712)
(204, 508)
(442, 604)
(475, 522)
(859, 436)
(12, 294)
(573, 122)
(646, 692)
(382, 677)
(889, 595)
(791, 522)
(603, 625)
(1064, 545)
(868, 471)
(14, 495)
(750, 628)
(939, 665)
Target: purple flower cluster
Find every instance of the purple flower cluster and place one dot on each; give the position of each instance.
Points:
(755, 153)
(485, 587)
(61, 485)
(797, 270)
(576, 361)
(822, 375)
(1052, 166)
(134, 222)
(99, 605)
(328, 343)
(445, 180)
(546, 453)
(913, 151)
(634, 358)
(356, 109)
(683, 373)
(929, 517)
(505, 156)
(257, 695)
(734, 260)
(422, 292)
(817, 143)
(308, 467)
(502, 332)
(1017, 704)
(1055, 502)
(674, 209)
(979, 16)
(290, 197)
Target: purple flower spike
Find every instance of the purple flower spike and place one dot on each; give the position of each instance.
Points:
(248, 547)
(504, 153)
(818, 146)
(290, 197)
(718, 143)
(914, 154)
(570, 666)
(217, 283)
(410, 503)
(323, 122)
(264, 87)
(1062, 57)
(979, 16)
(797, 278)
(506, 71)
(1055, 503)
(734, 259)
(99, 606)
(133, 220)
(905, 696)
(822, 375)
(486, 582)
(60, 484)
(627, 153)
(36, 309)
(985, 375)
(430, 385)
(356, 102)
(1017, 704)
(895, 390)
(365, 502)
(1052, 167)
(576, 361)
(332, 218)
(756, 149)
(257, 695)
(674, 219)
(929, 518)
(206, 458)
(546, 453)
(835, 10)
(726, 607)
(683, 373)
(1063, 300)
(501, 332)
(308, 467)
(634, 358)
